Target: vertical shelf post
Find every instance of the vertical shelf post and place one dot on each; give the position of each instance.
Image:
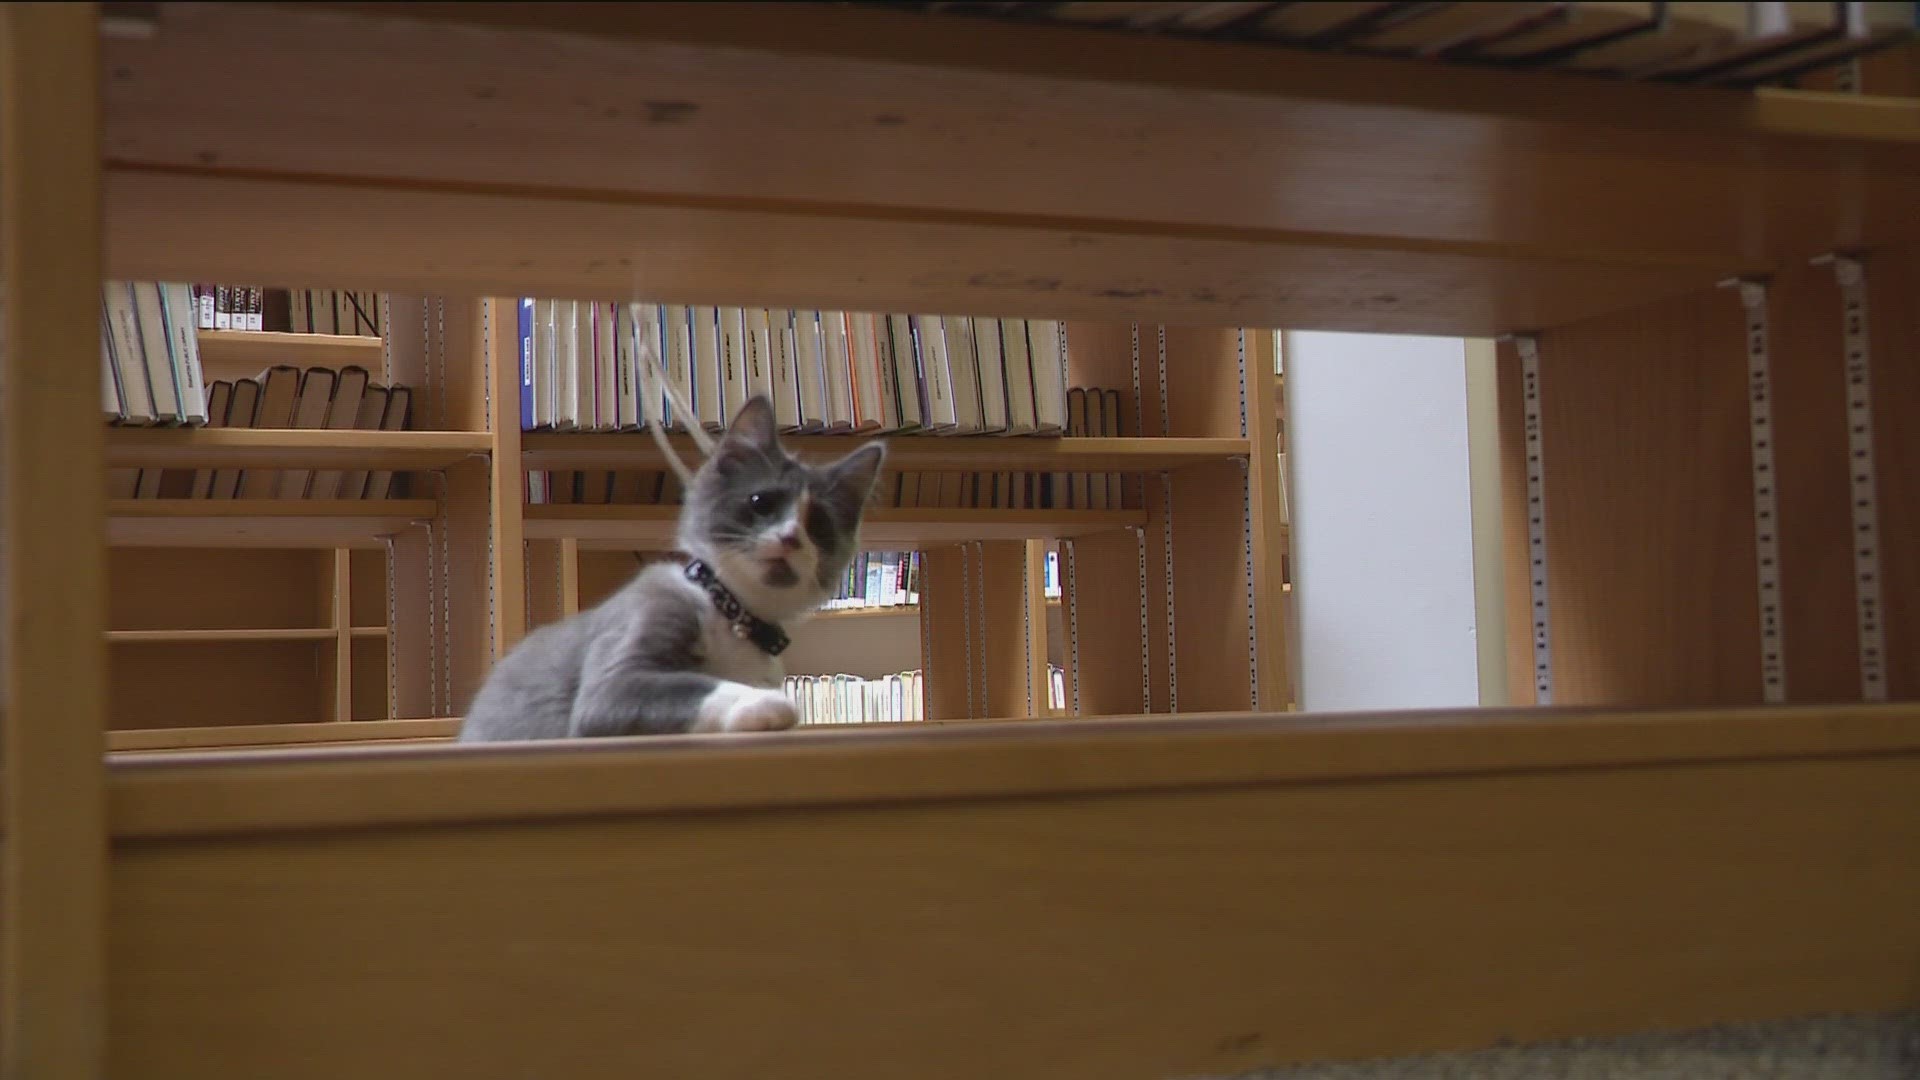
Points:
(53, 580)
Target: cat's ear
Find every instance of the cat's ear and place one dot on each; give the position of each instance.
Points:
(753, 425)
(856, 473)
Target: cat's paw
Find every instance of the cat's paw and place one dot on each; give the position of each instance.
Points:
(746, 708)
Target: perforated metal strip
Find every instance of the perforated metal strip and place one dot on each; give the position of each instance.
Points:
(1529, 350)
(1073, 629)
(486, 397)
(1035, 708)
(966, 620)
(1861, 483)
(1246, 534)
(1140, 541)
(1766, 500)
(1166, 530)
(980, 554)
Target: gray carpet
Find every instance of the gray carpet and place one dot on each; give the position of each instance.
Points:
(1817, 1048)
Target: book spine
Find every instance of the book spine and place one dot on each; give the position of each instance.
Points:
(526, 363)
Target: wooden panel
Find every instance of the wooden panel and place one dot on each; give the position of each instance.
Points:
(163, 685)
(1000, 569)
(208, 589)
(496, 347)
(262, 523)
(1810, 450)
(415, 652)
(369, 588)
(267, 735)
(1649, 497)
(367, 696)
(1612, 898)
(252, 350)
(191, 447)
(53, 574)
(949, 631)
(1114, 133)
(1215, 653)
(1107, 567)
(168, 226)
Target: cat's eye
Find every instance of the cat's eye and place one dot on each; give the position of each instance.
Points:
(762, 502)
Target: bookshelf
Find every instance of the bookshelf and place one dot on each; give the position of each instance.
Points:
(1161, 196)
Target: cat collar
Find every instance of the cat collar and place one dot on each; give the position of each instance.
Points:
(746, 625)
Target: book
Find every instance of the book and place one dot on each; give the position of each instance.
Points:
(242, 411)
(349, 388)
(279, 397)
(394, 417)
(311, 404)
(368, 416)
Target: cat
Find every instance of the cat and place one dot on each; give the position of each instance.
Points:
(692, 646)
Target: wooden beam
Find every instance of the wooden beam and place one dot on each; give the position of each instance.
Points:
(1584, 874)
(508, 243)
(53, 579)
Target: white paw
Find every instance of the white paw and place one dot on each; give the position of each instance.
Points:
(734, 707)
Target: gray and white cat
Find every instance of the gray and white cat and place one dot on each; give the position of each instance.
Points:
(658, 656)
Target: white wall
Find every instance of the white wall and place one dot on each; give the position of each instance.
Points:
(1381, 506)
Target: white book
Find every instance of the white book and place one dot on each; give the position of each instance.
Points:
(993, 375)
(150, 306)
(606, 359)
(709, 400)
(903, 358)
(566, 415)
(964, 367)
(836, 361)
(648, 337)
(786, 365)
(546, 355)
(809, 373)
(203, 307)
(1048, 339)
(942, 414)
(872, 401)
(733, 360)
(184, 343)
(626, 368)
(136, 384)
(679, 361)
(113, 402)
(758, 340)
(1013, 339)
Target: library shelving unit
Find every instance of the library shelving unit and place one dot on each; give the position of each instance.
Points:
(1175, 879)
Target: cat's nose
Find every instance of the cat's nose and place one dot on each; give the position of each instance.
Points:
(790, 539)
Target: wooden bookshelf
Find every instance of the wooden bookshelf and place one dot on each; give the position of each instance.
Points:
(222, 637)
(884, 529)
(177, 448)
(319, 523)
(912, 453)
(262, 348)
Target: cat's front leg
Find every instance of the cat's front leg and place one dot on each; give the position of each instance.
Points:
(733, 706)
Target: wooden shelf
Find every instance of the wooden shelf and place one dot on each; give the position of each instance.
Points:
(885, 528)
(272, 523)
(266, 347)
(909, 453)
(178, 448)
(225, 636)
(269, 736)
(1244, 188)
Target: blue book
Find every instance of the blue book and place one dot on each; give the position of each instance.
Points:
(527, 422)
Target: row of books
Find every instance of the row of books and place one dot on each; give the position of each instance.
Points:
(300, 311)
(1093, 412)
(150, 370)
(824, 371)
(849, 699)
(1708, 43)
(878, 579)
(284, 396)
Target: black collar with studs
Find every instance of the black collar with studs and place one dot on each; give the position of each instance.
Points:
(746, 625)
